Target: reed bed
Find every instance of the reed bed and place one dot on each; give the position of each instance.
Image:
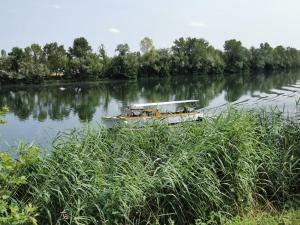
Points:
(191, 173)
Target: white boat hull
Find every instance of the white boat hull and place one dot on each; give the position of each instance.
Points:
(109, 122)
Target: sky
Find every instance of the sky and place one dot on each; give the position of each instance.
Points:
(111, 22)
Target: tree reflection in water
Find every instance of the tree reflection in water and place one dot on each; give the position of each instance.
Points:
(83, 99)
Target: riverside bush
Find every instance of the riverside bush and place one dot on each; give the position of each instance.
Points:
(190, 173)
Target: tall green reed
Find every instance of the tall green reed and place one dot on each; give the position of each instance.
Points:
(158, 174)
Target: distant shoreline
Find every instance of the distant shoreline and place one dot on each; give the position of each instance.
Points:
(187, 56)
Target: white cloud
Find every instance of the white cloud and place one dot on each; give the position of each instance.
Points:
(114, 30)
(197, 24)
(55, 6)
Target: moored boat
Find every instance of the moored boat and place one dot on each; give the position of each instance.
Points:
(141, 114)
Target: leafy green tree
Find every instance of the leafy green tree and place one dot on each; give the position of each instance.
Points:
(89, 66)
(125, 64)
(16, 56)
(5, 63)
(80, 48)
(236, 56)
(5, 69)
(56, 57)
(293, 57)
(215, 61)
(33, 67)
(155, 63)
(195, 56)
(267, 52)
(37, 53)
(83, 63)
(188, 56)
(280, 58)
(146, 45)
(163, 62)
(257, 60)
(104, 59)
(122, 49)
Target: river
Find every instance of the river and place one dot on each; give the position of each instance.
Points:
(39, 112)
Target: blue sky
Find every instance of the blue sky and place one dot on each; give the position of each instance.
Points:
(111, 22)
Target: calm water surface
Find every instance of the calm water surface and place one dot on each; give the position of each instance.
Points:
(38, 113)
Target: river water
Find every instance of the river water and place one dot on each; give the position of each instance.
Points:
(39, 112)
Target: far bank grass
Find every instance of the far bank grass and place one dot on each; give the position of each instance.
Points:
(196, 173)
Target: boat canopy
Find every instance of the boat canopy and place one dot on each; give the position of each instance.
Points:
(162, 103)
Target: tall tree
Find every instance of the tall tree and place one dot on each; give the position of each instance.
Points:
(146, 45)
(83, 62)
(80, 48)
(125, 64)
(16, 55)
(104, 58)
(33, 67)
(236, 57)
(37, 53)
(280, 59)
(267, 52)
(293, 57)
(122, 49)
(155, 63)
(195, 56)
(56, 57)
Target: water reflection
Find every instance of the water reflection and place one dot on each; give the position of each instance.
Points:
(89, 101)
(56, 103)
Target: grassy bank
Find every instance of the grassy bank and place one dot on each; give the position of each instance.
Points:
(291, 217)
(192, 174)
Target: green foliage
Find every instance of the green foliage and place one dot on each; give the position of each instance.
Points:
(122, 49)
(83, 63)
(12, 211)
(236, 56)
(11, 181)
(187, 56)
(291, 217)
(124, 65)
(16, 56)
(191, 173)
(155, 63)
(146, 45)
(88, 66)
(28, 64)
(80, 48)
(56, 58)
(195, 56)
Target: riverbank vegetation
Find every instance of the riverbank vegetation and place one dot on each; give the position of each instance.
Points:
(57, 100)
(197, 173)
(187, 56)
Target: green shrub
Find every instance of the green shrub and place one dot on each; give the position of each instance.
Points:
(12, 210)
(191, 173)
(159, 174)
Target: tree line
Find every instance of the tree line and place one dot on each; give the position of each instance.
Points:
(187, 56)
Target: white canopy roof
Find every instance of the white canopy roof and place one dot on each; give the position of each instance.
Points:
(162, 103)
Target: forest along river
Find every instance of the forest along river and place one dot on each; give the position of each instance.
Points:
(38, 112)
